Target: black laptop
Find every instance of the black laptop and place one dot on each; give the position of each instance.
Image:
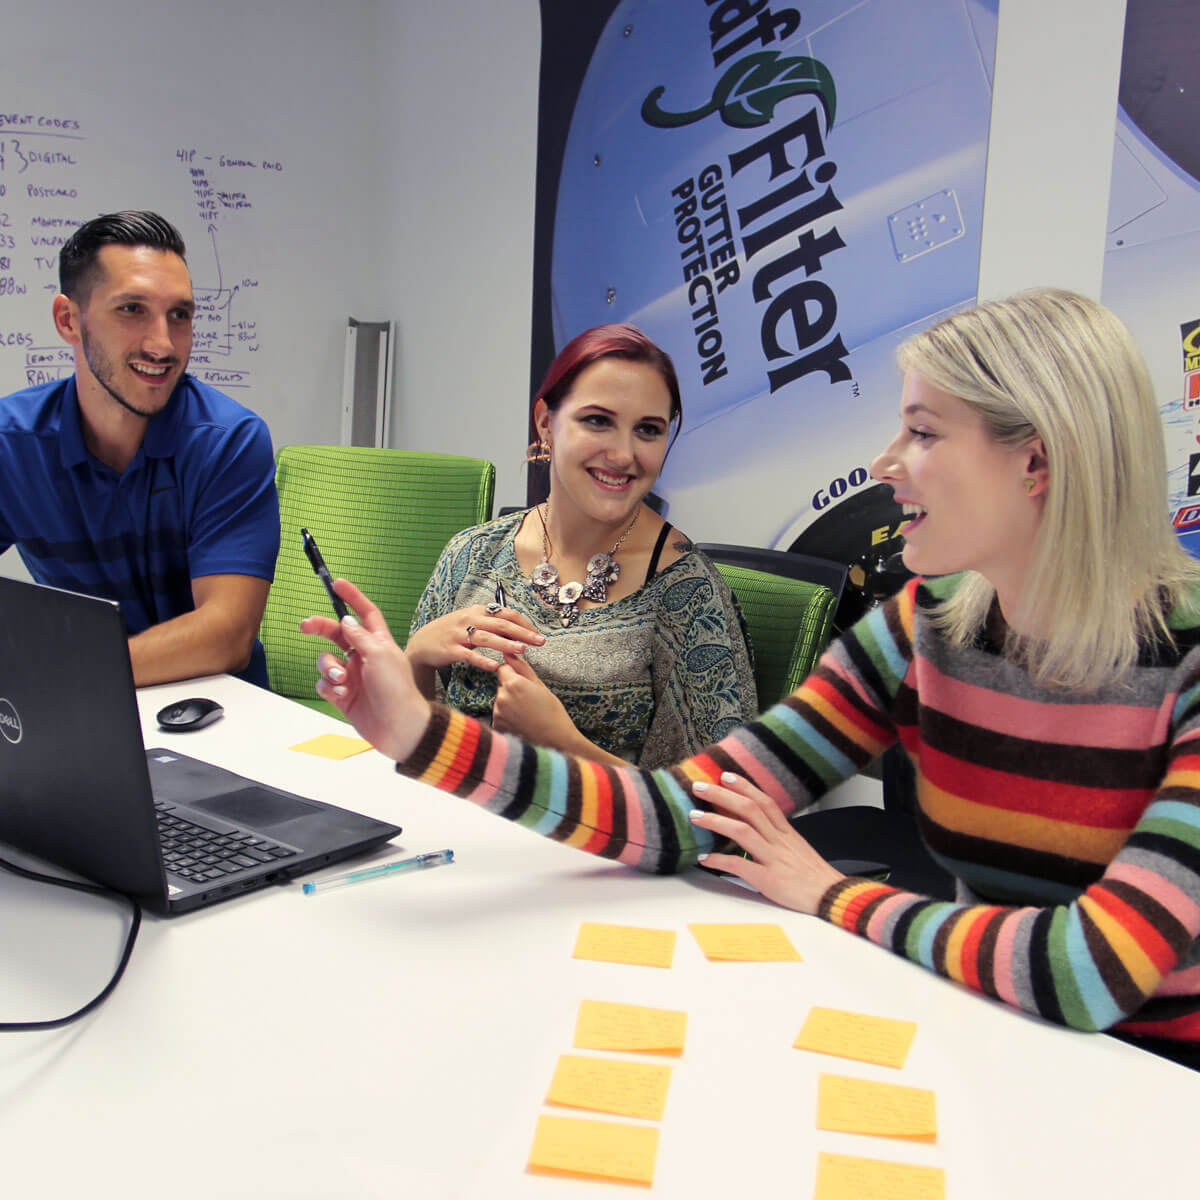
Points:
(78, 787)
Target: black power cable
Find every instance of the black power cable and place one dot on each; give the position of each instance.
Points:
(95, 890)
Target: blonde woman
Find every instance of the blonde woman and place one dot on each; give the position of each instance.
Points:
(1042, 672)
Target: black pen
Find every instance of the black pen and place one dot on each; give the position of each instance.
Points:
(501, 598)
(318, 565)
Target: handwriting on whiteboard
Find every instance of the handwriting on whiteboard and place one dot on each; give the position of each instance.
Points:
(48, 166)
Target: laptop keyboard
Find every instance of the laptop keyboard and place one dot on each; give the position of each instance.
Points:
(202, 855)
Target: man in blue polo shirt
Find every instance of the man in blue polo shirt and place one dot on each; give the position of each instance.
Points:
(132, 480)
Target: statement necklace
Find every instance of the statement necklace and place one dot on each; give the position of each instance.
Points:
(602, 569)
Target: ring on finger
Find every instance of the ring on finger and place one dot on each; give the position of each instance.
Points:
(470, 637)
(493, 608)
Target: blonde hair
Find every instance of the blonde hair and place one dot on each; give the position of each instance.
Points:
(1106, 567)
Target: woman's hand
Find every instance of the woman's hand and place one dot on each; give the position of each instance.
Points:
(373, 686)
(785, 868)
(458, 637)
(525, 706)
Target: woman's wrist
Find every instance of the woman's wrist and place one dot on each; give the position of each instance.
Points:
(410, 728)
(414, 651)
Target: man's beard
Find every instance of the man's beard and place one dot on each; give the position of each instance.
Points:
(102, 369)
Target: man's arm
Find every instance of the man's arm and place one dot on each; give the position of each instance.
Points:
(216, 637)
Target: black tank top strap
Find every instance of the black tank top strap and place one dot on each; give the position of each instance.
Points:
(656, 554)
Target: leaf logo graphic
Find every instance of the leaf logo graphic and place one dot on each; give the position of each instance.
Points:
(746, 95)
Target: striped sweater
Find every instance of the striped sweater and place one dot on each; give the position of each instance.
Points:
(1072, 821)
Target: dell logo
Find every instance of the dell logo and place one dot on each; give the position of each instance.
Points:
(10, 722)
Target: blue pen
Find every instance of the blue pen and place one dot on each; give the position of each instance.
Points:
(434, 859)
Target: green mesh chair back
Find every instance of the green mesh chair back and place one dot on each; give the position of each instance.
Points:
(381, 518)
(788, 601)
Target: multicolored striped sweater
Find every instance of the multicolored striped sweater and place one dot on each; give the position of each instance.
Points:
(1072, 821)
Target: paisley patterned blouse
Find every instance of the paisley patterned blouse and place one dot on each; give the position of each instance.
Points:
(651, 677)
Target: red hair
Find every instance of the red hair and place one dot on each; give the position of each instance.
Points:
(607, 341)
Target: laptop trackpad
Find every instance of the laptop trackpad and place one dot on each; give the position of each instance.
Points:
(253, 806)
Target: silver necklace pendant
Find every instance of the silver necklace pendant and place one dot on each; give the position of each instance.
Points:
(569, 593)
(602, 569)
(544, 576)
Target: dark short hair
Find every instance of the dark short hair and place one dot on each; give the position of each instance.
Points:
(608, 341)
(77, 259)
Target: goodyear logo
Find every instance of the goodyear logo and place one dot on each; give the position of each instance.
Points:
(1189, 332)
(1188, 517)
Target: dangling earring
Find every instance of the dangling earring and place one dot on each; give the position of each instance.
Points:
(538, 452)
(1029, 485)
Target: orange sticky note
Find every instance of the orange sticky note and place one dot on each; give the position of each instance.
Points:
(628, 1089)
(846, 1105)
(882, 1040)
(625, 944)
(842, 1177)
(605, 1026)
(333, 745)
(594, 1149)
(744, 943)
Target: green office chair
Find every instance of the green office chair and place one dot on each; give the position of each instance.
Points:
(381, 518)
(788, 601)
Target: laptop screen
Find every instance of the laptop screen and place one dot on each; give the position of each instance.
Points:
(74, 788)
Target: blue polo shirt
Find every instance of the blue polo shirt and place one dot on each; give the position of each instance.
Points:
(197, 499)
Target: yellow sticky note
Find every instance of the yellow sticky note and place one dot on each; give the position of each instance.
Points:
(625, 944)
(605, 1026)
(745, 943)
(846, 1105)
(882, 1040)
(594, 1149)
(628, 1089)
(842, 1177)
(333, 745)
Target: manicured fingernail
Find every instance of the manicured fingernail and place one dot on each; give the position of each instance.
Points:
(694, 814)
(728, 777)
(339, 691)
(349, 619)
(701, 785)
(337, 674)
(701, 857)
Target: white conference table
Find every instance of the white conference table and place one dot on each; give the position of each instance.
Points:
(396, 1038)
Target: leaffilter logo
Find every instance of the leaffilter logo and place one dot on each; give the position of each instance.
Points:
(10, 722)
(746, 95)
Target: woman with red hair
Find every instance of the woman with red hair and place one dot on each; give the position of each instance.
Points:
(576, 623)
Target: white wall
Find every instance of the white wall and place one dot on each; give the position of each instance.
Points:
(459, 82)
(1050, 147)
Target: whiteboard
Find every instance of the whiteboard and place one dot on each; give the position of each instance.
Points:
(243, 127)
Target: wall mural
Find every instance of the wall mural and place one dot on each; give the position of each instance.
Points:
(778, 197)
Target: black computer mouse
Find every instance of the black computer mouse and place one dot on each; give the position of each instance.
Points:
(185, 715)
